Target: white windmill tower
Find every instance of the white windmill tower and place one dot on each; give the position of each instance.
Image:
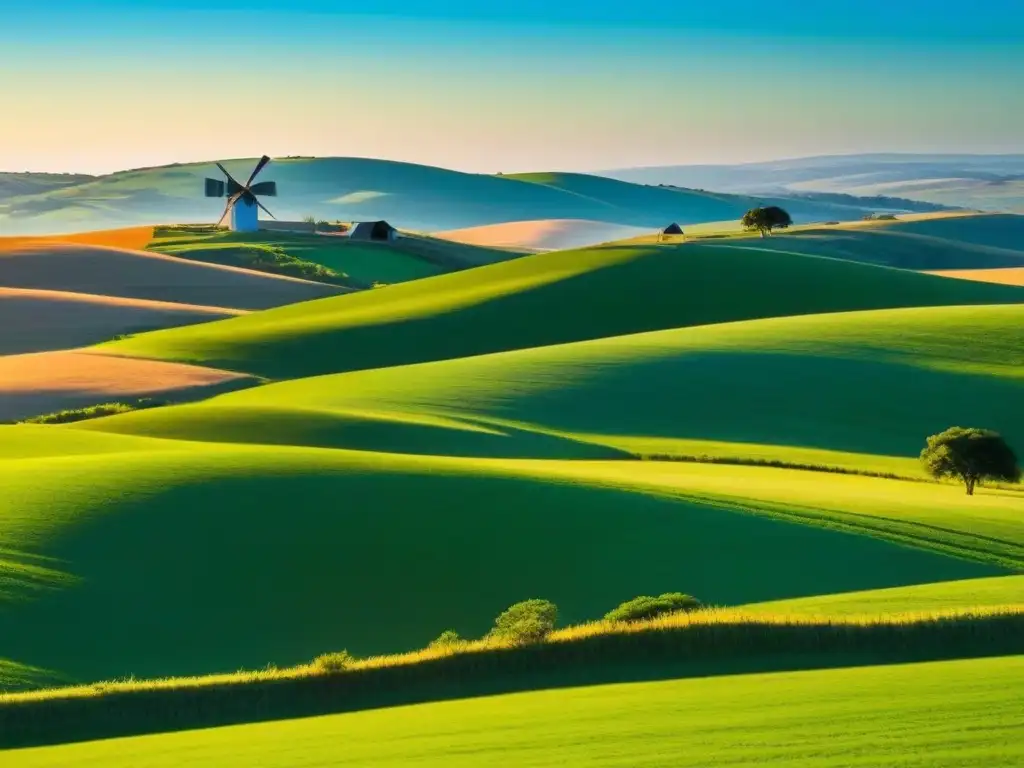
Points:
(242, 201)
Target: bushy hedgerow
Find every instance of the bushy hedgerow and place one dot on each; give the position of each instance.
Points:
(647, 607)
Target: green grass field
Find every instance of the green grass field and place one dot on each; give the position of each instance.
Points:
(324, 258)
(660, 392)
(957, 713)
(583, 426)
(945, 595)
(256, 541)
(548, 299)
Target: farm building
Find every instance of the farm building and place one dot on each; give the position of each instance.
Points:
(672, 229)
(373, 230)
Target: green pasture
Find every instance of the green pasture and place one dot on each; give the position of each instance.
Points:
(929, 516)
(930, 715)
(859, 390)
(361, 263)
(549, 299)
(945, 595)
(187, 558)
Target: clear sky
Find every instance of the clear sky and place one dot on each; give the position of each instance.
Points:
(486, 85)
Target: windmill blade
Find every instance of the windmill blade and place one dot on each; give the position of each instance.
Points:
(227, 208)
(214, 188)
(265, 188)
(261, 205)
(259, 167)
(225, 172)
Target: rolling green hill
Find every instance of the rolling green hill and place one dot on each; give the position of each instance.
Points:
(322, 257)
(873, 382)
(549, 299)
(275, 554)
(936, 714)
(437, 449)
(410, 196)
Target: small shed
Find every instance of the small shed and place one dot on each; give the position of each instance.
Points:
(672, 229)
(379, 231)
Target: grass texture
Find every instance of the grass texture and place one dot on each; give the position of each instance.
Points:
(926, 715)
(936, 715)
(256, 541)
(858, 390)
(946, 595)
(549, 299)
(680, 645)
(310, 256)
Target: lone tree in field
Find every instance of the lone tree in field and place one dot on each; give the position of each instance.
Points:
(764, 220)
(970, 455)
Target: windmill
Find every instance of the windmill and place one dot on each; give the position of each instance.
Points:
(242, 200)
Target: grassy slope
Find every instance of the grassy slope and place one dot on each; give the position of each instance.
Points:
(968, 242)
(548, 299)
(255, 542)
(354, 263)
(939, 714)
(678, 392)
(967, 593)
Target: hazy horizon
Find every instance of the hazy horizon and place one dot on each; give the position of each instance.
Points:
(766, 161)
(95, 86)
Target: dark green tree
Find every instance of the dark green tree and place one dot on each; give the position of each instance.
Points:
(970, 455)
(765, 219)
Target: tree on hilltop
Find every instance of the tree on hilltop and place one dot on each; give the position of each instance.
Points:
(764, 220)
(970, 455)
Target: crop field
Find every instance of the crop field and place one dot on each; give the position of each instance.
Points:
(358, 471)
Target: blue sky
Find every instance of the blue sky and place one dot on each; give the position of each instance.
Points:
(96, 85)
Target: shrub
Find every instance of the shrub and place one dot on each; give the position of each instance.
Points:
(447, 639)
(334, 662)
(647, 607)
(94, 412)
(527, 622)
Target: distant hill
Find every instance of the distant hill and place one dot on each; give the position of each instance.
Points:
(16, 184)
(414, 197)
(983, 182)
